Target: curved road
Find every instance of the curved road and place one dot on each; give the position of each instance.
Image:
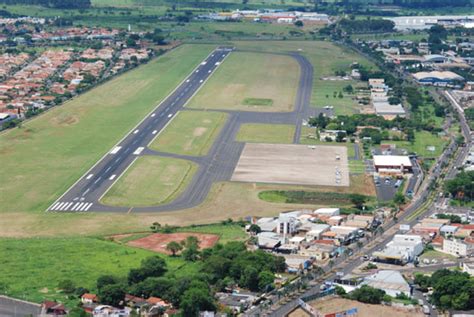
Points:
(218, 165)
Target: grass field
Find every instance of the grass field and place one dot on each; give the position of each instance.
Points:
(245, 76)
(326, 59)
(32, 268)
(266, 133)
(423, 139)
(226, 232)
(190, 133)
(151, 181)
(308, 137)
(49, 153)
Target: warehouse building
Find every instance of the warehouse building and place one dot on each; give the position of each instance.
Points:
(437, 78)
(392, 164)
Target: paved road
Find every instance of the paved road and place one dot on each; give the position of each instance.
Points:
(10, 307)
(217, 165)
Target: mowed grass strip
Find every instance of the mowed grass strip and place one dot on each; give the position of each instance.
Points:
(49, 153)
(151, 181)
(190, 133)
(266, 133)
(245, 77)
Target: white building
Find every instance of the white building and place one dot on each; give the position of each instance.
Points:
(402, 249)
(392, 164)
(329, 212)
(457, 247)
(269, 240)
(392, 282)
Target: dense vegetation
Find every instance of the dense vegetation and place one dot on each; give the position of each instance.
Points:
(59, 4)
(462, 186)
(222, 267)
(451, 289)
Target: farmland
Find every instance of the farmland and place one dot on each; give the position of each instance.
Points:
(269, 77)
(150, 181)
(190, 133)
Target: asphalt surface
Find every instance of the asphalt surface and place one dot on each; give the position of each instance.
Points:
(10, 307)
(217, 165)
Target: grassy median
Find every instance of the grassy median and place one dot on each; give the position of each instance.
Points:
(266, 133)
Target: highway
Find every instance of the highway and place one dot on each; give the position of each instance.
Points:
(218, 165)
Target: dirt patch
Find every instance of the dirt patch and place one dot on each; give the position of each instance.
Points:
(199, 131)
(335, 305)
(157, 242)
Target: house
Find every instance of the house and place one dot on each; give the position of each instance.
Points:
(392, 282)
(53, 308)
(316, 231)
(109, 311)
(319, 249)
(465, 231)
(88, 298)
(156, 301)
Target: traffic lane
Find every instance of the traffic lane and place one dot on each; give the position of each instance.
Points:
(144, 132)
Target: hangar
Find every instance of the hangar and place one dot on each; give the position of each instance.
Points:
(392, 164)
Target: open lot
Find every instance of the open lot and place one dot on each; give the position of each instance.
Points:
(157, 241)
(150, 181)
(424, 139)
(335, 305)
(190, 133)
(251, 81)
(49, 153)
(292, 164)
(266, 133)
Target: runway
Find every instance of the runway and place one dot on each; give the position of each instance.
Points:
(217, 165)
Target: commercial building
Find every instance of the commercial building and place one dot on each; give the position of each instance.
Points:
(457, 247)
(437, 78)
(404, 23)
(392, 164)
(388, 111)
(392, 282)
(401, 250)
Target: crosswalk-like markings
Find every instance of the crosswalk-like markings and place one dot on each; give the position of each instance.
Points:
(71, 206)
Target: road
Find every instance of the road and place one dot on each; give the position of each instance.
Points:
(217, 165)
(10, 307)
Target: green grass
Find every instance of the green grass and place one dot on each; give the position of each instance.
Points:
(433, 254)
(190, 133)
(247, 76)
(423, 139)
(307, 197)
(151, 181)
(227, 232)
(49, 153)
(258, 102)
(32, 268)
(266, 133)
(357, 167)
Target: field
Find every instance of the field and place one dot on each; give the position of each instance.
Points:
(226, 232)
(32, 268)
(245, 77)
(335, 305)
(190, 133)
(326, 59)
(306, 132)
(49, 153)
(150, 181)
(292, 164)
(266, 133)
(157, 241)
(423, 139)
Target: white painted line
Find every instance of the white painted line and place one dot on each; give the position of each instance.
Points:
(118, 159)
(201, 81)
(187, 80)
(197, 71)
(138, 150)
(112, 177)
(87, 190)
(60, 206)
(89, 176)
(97, 180)
(135, 141)
(54, 206)
(154, 131)
(136, 131)
(153, 115)
(170, 115)
(75, 206)
(126, 135)
(81, 206)
(204, 63)
(209, 71)
(67, 206)
(108, 169)
(88, 206)
(115, 150)
(63, 206)
(218, 63)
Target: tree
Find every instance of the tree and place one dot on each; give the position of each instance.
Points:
(299, 23)
(265, 281)
(195, 300)
(112, 295)
(249, 278)
(399, 199)
(358, 200)
(367, 294)
(191, 251)
(67, 286)
(106, 280)
(255, 229)
(156, 227)
(153, 266)
(174, 247)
